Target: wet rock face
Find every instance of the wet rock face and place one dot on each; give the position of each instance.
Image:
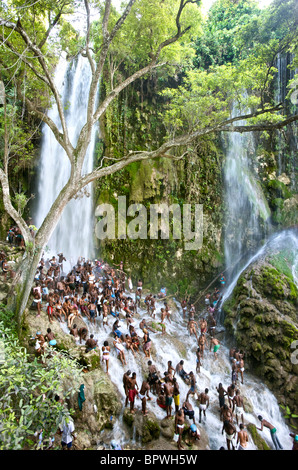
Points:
(262, 316)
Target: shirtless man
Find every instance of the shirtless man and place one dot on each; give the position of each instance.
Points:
(91, 343)
(230, 432)
(49, 336)
(266, 424)
(242, 438)
(238, 406)
(179, 426)
(231, 392)
(212, 326)
(188, 410)
(125, 385)
(105, 311)
(82, 334)
(226, 413)
(202, 342)
(153, 376)
(176, 394)
(193, 385)
(169, 389)
(168, 311)
(132, 390)
(204, 403)
(181, 372)
(61, 258)
(144, 391)
(74, 331)
(171, 371)
(221, 395)
(198, 361)
(92, 311)
(152, 307)
(192, 328)
(240, 365)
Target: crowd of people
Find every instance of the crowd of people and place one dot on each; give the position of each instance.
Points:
(102, 294)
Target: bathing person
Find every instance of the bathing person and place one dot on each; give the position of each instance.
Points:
(106, 354)
(204, 403)
(273, 432)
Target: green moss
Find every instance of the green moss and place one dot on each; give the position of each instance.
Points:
(151, 430)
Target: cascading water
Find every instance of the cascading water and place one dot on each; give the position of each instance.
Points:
(74, 233)
(247, 210)
(171, 347)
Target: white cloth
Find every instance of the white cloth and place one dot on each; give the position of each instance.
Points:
(67, 429)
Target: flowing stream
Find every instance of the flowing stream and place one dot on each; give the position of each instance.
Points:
(177, 344)
(74, 237)
(74, 233)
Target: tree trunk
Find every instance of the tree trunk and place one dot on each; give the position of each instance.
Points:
(22, 285)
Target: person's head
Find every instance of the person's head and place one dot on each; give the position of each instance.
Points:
(193, 428)
(241, 426)
(106, 343)
(260, 418)
(206, 390)
(91, 336)
(134, 374)
(49, 330)
(149, 363)
(128, 372)
(74, 326)
(181, 363)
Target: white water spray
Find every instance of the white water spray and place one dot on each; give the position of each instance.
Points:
(74, 233)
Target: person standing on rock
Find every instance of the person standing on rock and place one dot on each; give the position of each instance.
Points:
(176, 394)
(273, 432)
(216, 345)
(143, 393)
(106, 355)
(193, 385)
(179, 426)
(204, 403)
(238, 405)
(202, 342)
(132, 390)
(231, 393)
(125, 385)
(168, 388)
(240, 365)
(221, 395)
(242, 438)
(230, 432)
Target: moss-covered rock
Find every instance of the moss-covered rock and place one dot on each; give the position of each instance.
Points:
(261, 315)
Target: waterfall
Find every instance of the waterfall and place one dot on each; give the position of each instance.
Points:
(285, 239)
(247, 210)
(74, 232)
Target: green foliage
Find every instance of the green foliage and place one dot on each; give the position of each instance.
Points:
(218, 44)
(27, 391)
